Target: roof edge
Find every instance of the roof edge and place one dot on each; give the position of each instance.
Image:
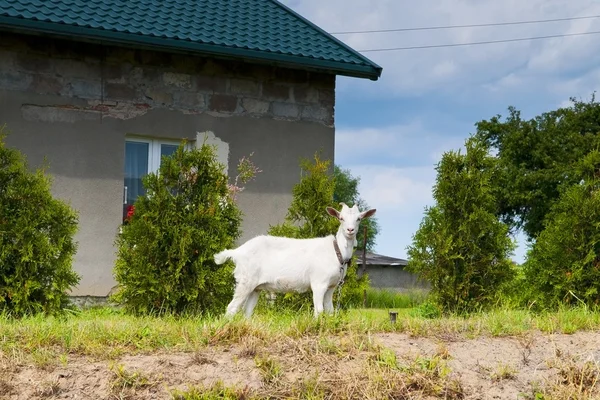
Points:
(159, 43)
(376, 67)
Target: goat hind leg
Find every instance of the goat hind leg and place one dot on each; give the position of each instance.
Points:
(241, 294)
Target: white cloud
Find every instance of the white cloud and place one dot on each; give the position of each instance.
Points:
(494, 67)
(404, 144)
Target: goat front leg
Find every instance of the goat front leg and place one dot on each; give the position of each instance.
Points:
(328, 302)
(318, 297)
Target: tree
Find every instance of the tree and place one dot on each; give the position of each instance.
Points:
(563, 265)
(36, 239)
(165, 253)
(346, 191)
(536, 157)
(307, 218)
(461, 247)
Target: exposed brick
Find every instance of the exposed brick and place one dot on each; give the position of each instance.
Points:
(119, 91)
(315, 113)
(255, 106)
(45, 84)
(244, 86)
(326, 97)
(13, 80)
(290, 75)
(159, 96)
(322, 81)
(189, 100)
(210, 84)
(154, 58)
(287, 110)
(33, 63)
(306, 94)
(223, 102)
(182, 81)
(84, 89)
(276, 92)
(76, 69)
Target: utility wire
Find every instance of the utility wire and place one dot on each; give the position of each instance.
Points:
(433, 46)
(427, 28)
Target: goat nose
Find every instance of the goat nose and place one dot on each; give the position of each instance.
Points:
(350, 230)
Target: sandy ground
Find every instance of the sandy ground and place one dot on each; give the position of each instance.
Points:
(487, 368)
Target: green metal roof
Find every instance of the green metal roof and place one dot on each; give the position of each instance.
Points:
(260, 30)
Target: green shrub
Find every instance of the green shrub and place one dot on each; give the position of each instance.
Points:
(461, 248)
(307, 218)
(165, 253)
(36, 239)
(563, 265)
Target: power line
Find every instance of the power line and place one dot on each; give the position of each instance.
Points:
(426, 28)
(433, 46)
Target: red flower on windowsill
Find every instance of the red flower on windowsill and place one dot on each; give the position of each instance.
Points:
(130, 211)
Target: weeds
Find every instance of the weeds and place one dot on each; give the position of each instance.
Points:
(124, 382)
(503, 372)
(580, 381)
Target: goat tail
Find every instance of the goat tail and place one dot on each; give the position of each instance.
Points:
(223, 256)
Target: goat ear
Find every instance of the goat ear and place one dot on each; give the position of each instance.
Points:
(333, 212)
(367, 214)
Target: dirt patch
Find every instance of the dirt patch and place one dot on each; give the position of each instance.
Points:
(482, 368)
(503, 368)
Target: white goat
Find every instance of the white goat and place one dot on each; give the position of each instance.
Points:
(281, 265)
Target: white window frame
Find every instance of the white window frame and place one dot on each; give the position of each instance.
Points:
(154, 152)
(154, 149)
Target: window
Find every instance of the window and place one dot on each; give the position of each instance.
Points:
(142, 156)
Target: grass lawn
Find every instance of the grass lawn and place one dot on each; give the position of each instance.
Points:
(333, 350)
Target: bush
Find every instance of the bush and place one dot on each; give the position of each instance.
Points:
(563, 266)
(36, 239)
(461, 247)
(165, 253)
(307, 218)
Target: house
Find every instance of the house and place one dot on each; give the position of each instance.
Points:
(389, 273)
(103, 89)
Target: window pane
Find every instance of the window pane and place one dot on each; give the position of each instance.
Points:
(167, 150)
(136, 166)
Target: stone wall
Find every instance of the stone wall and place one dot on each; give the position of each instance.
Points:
(125, 83)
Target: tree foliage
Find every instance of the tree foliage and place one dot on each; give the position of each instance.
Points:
(536, 157)
(461, 247)
(346, 191)
(307, 218)
(563, 265)
(36, 239)
(165, 252)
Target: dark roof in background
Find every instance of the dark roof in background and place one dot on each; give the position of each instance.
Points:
(260, 30)
(378, 259)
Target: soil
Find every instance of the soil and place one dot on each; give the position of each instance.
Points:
(487, 368)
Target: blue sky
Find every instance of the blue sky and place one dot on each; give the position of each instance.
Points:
(392, 132)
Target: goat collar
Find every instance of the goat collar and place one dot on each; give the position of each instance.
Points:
(339, 253)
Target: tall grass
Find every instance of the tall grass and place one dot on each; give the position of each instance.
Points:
(107, 333)
(386, 298)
